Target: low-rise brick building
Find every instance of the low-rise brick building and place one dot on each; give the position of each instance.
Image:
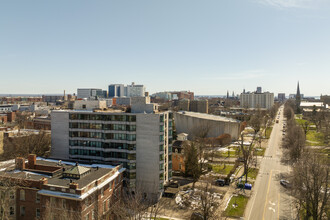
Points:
(51, 189)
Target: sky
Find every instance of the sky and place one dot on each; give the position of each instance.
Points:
(205, 46)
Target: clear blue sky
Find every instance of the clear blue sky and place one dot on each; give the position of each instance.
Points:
(206, 46)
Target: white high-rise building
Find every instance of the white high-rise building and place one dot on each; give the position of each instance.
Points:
(141, 141)
(257, 100)
(135, 90)
(119, 90)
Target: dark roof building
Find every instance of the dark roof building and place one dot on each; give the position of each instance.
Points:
(51, 189)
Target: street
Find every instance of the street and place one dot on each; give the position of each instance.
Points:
(269, 199)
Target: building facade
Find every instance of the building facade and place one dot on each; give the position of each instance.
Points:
(191, 123)
(281, 97)
(49, 189)
(116, 90)
(257, 100)
(120, 90)
(134, 90)
(89, 93)
(139, 141)
(201, 106)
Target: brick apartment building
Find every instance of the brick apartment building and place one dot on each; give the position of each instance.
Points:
(7, 117)
(50, 189)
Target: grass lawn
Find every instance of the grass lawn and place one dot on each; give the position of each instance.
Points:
(268, 132)
(315, 138)
(325, 151)
(260, 151)
(222, 169)
(225, 154)
(253, 173)
(301, 121)
(238, 211)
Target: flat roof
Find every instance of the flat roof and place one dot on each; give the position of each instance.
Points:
(207, 116)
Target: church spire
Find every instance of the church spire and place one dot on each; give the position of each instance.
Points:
(298, 99)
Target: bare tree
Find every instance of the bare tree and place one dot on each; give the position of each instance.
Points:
(28, 143)
(57, 210)
(209, 202)
(247, 155)
(136, 206)
(311, 185)
(21, 120)
(305, 126)
(255, 122)
(201, 142)
(7, 197)
(294, 141)
(288, 109)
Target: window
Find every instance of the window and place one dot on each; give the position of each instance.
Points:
(161, 138)
(37, 198)
(22, 194)
(38, 213)
(12, 195)
(22, 211)
(87, 201)
(102, 192)
(110, 186)
(131, 137)
(11, 210)
(104, 206)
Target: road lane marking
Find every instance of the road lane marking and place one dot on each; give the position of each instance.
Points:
(272, 203)
(270, 177)
(272, 209)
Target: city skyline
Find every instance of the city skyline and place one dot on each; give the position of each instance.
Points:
(206, 47)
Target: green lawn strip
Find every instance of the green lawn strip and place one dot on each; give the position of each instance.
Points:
(260, 151)
(268, 132)
(324, 151)
(238, 211)
(314, 138)
(221, 169)
(225, 154)
(253, 172)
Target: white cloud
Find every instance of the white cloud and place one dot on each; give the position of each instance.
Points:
(291, 3)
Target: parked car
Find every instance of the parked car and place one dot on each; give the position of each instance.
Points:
(220, 182)
(285, 183)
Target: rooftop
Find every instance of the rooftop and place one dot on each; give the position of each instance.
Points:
(207, 116)
(42, 170)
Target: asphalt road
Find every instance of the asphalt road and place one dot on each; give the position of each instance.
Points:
(269, 199)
